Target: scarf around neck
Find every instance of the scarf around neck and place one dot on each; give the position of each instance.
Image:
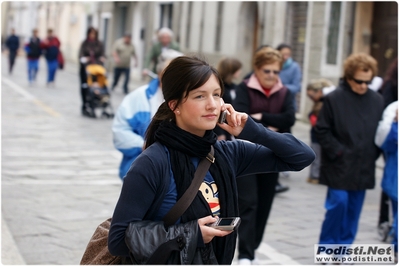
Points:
(182, 146)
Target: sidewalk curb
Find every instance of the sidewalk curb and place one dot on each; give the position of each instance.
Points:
(10, 254)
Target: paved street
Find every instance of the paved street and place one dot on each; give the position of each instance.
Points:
(60, 179)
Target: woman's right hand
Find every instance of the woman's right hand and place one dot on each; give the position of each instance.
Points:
(208, 233)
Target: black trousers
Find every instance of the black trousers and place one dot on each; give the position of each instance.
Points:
(83, 85)
(11, 60)
(255, 199)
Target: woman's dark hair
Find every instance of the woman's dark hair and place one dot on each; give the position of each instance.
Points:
(90, 29)
(182, 75)
(392, 73)
(227, 67)
(282, 46)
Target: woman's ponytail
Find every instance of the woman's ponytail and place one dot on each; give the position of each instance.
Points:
(163, 113)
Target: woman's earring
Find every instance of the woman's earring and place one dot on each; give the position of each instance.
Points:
(178, 112)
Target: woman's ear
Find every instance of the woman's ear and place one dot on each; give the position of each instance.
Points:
(172, 105)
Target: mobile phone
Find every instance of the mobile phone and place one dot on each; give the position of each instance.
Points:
(222, 117)
(227, 223)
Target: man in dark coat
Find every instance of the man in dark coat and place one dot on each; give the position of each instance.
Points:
(345, 129)
(12, 44)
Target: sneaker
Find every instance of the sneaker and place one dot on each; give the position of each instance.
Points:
(313, 180)
(255, 262)
(244, 262)
(383, 231)
(281, 188)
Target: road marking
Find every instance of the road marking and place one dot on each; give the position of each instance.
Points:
(30, 97)
(275, 256)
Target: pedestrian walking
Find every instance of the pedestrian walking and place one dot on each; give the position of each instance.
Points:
(122, 52)
(91, 52)
(270, 103)
(389, 90)
(134, 115)
(345, 130)
(165, 41)
(314, 91)
(229, 69)
(178, 137)
(387, 139)
(51, 48)
(12, 44)
(290, 74)
(33, 53)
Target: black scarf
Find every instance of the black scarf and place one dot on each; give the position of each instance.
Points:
(182, 146)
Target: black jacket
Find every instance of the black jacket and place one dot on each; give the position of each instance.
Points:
(144, 237)
(345, 129)
(277, 110)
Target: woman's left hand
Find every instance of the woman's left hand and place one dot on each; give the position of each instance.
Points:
(235, 121)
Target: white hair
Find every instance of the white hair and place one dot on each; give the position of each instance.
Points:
(166, 31)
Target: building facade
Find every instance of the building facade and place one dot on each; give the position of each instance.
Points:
(322, 34)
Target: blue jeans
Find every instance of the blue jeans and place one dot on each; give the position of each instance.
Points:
(52, 66)
(117, 73)
(33, 67)
(342, 216)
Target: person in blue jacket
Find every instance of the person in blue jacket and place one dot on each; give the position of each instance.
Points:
(290, 73)
(386, 138)
(134, 115)
(12, 44)
(33, 52)
(179, 136)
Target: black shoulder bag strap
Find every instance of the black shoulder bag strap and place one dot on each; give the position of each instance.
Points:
(162, 253)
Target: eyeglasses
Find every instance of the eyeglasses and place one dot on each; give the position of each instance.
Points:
(360, 82)
(268, 71)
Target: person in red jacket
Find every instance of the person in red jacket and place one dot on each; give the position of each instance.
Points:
(51, 47)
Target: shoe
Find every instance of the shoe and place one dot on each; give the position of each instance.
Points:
(285, 174)
(244, 262)
(280, 188)
(313, 180)
(255, 262)
(383, 231)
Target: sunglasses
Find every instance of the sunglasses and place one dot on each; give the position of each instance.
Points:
(360, 82)
(268, 71)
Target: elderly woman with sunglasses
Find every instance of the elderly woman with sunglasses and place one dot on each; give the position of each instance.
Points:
(345, 130)
(269, 102)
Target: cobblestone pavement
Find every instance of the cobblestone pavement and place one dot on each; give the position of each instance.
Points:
(60, 179)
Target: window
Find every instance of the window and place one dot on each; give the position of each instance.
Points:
(218, 26)
(188, 29)
(333, 33)
(166, 15)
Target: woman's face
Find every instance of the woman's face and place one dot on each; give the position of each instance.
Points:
(200, 110)
(267, 75)
(92, 35)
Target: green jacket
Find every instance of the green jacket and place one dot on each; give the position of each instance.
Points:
(156, 50)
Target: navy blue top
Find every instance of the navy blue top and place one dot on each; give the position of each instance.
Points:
(150, 178)
(12, 43)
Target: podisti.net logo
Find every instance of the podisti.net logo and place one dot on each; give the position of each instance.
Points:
(355, 253)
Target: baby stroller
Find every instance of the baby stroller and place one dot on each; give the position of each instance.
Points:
(98, 95)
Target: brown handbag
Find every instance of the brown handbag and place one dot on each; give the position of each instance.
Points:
(97, 249)
(97, 252)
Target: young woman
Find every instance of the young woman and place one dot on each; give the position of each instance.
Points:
(180, 134)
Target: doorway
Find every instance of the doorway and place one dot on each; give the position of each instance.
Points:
(384, 38)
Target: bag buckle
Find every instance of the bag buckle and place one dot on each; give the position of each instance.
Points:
(210, 158)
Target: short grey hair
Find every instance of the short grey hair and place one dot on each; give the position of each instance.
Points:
(166, 31)
(164, 59)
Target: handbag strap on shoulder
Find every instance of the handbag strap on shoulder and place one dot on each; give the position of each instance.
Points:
(182, 204)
